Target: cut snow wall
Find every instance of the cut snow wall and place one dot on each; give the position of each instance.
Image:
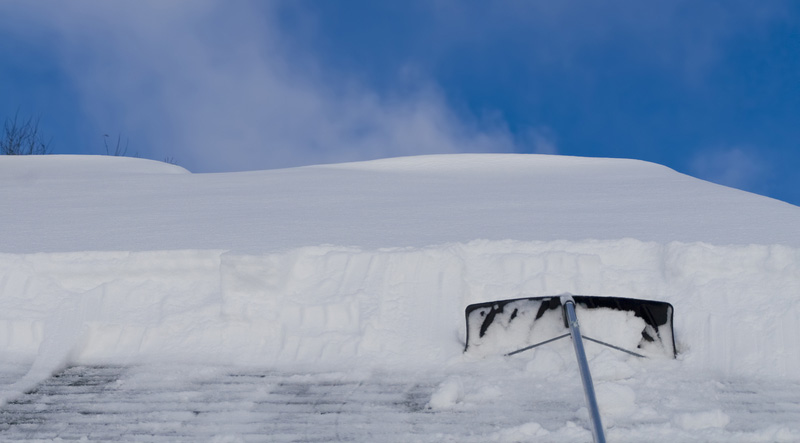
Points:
(736, 307)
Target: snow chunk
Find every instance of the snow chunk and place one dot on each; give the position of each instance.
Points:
(615, 400)
(449, 393)
(546, 362)
(610, 367)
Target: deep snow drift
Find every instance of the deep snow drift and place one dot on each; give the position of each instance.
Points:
(66, 203)
(124, 261)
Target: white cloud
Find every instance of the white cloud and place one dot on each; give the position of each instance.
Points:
(213, 85)
(736, 167)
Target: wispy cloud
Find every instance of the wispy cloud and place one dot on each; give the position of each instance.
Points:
(737, 167)
(224, 86)
(213, 85)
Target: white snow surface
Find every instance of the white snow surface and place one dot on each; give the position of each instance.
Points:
(75, 204)
(118, 261)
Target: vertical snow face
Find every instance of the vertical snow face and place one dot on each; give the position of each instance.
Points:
(736, 307)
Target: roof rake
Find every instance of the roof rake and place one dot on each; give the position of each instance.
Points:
(642, 328)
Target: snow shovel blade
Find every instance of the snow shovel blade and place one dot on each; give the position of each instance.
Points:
(640, 327)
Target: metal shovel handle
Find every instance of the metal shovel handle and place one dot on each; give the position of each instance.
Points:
(586, 377)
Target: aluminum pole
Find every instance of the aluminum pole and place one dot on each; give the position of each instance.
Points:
(586, 377)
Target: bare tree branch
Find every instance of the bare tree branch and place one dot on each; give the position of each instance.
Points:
(22, 137)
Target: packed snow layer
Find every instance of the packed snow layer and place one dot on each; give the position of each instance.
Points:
(736, 307)
(74, 203)
(370, 266)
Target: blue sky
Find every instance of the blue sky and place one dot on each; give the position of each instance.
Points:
(711, 89)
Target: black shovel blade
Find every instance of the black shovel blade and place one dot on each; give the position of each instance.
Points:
(642, 327)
